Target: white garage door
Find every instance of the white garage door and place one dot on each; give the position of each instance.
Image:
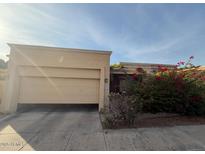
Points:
(59, 86)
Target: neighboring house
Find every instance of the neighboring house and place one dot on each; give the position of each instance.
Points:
(118, 74)
(202, 68)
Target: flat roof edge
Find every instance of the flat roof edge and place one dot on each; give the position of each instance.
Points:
(130, 63)
(62, 48)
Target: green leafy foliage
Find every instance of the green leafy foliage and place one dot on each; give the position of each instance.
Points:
(180, 90)
(175, 91)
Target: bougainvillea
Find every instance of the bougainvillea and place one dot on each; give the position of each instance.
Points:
(180, 89)
(183, 71)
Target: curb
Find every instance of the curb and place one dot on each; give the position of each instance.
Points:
(4, 117)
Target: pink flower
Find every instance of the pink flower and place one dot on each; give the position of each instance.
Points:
(162, 69)
(191, 57)
(158, 78)
(203, 78)
(181, 62)
(134, 76)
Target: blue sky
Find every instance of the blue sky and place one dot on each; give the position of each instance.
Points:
(150, 33)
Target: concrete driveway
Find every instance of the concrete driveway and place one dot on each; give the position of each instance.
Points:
(79, 128)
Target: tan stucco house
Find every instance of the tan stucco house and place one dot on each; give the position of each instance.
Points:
(50, 75)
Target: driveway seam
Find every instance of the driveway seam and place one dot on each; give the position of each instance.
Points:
(68, 141)
(133, 145)
(103, 131)
(106, 147)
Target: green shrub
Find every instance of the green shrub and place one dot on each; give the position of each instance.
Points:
(174, 91)
(180, 90)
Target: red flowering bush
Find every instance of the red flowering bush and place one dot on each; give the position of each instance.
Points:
(178, 90)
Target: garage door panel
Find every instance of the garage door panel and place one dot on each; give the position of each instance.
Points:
(58, 90)
(58, 72)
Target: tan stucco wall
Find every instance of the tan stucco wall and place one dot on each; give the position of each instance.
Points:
(1, 89)
(2, 82)
(39, 74)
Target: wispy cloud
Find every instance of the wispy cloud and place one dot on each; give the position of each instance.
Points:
(130, 31)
